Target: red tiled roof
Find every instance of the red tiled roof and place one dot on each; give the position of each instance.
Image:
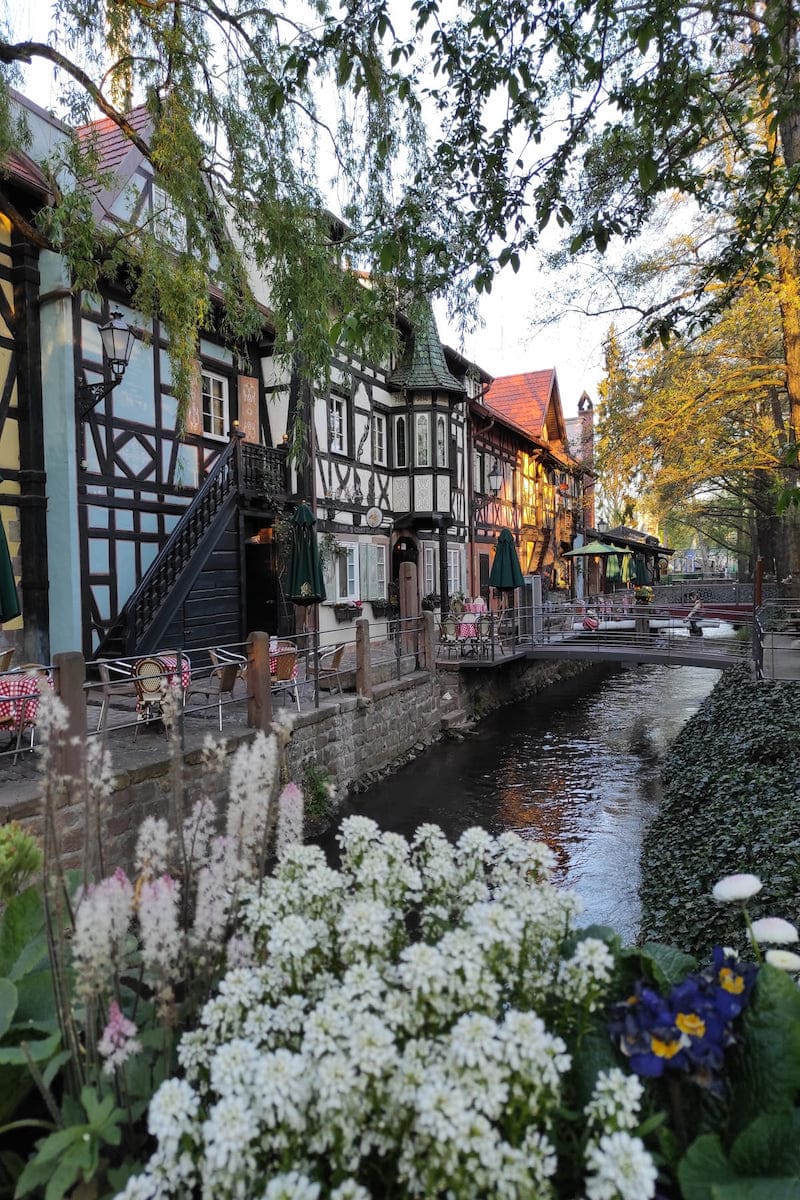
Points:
(111, 143)
(523, 398)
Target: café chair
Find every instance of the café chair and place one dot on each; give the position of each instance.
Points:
(219, 682)
(283, 678)
(448, 635)
(328, 666)
(116, 679)
(149, 681)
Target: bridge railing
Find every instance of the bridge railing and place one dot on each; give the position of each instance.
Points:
(647, 627)
(778, 631)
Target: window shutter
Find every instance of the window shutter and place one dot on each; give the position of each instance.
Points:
(364, 559)
(329, 566)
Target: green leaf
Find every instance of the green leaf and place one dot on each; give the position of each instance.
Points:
(703, 1166)
(597, 1053)
(37, 1000)
(770, 1145)
(38, 1048)
(8, 1005)
(757, 1189)
(58, 1142)
(34, 1174)
(65, 1174)
(33, 957)
(765, 1069)
(667, 965)
(54, 1066)
(22, 922)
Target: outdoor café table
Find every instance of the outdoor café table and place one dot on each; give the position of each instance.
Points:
(467, 632)
(170, 662)
(19, 699)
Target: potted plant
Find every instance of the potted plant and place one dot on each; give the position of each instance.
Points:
(643, 595)
(431, 601)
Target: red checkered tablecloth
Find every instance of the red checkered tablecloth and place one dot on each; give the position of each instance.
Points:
(468, 629)
(19, 698)
(170, 662)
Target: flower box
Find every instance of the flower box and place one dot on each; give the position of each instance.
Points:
(346, 612)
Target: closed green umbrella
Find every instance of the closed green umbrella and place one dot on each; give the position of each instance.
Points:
(640, 575)
(9, 600)
(506, 573)
(305, 584)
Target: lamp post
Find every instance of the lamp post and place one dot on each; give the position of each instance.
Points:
(495, 482)
(117, 339)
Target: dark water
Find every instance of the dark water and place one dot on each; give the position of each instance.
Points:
(577, 767)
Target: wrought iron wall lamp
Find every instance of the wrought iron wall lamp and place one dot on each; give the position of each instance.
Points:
(495, 482)
(117, 338)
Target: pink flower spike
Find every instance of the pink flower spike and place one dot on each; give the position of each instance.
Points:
(119, 1040)
(736, 887)
(775, 931)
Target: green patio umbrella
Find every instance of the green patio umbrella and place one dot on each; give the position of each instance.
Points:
(506, 573)
(9, 601)
(305, 584)
(640, 575)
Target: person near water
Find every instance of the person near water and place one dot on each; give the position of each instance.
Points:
(693, 618)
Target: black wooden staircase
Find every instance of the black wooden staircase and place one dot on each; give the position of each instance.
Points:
(244, 474)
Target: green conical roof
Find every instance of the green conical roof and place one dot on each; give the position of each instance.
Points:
(423, 366)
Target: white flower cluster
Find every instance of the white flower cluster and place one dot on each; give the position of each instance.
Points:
(393, 1026)
(618, 1165)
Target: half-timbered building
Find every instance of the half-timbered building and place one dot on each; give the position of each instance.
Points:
(131, 532)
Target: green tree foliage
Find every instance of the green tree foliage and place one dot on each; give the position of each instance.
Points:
(582, 113)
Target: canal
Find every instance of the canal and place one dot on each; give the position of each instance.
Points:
(576, 766)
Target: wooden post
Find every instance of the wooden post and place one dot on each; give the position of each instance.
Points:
(409, 605)
(70, 679)
(259, 695)
(363, 659)
(428, 649)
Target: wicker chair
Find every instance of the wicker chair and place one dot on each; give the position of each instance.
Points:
(283, 679)
(448, 635)
(328, 666)
(149, 681)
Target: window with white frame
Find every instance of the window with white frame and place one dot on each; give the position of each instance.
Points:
(453, 571)
(400, 443)
(337, 424)
(169, 224)
(441, 442)
(347, 572)
(423, 427)
(379, 439)
(214, 390)
(430, 570)
(372, 566)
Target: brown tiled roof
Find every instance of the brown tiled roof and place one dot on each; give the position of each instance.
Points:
(523, 398)
(111, 143)
(26, 173)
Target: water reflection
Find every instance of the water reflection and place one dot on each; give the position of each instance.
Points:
(577, 767)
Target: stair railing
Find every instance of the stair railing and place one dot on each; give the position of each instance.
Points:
(154, 588)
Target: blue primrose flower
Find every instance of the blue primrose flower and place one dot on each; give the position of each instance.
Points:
(689, 1029)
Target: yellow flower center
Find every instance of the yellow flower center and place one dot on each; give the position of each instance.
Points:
(690, 1023)
(664, 1049)
(730, 982)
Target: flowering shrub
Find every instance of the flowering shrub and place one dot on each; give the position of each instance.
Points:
(406, 1026)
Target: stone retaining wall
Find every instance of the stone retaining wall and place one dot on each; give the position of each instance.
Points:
(354, 740)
